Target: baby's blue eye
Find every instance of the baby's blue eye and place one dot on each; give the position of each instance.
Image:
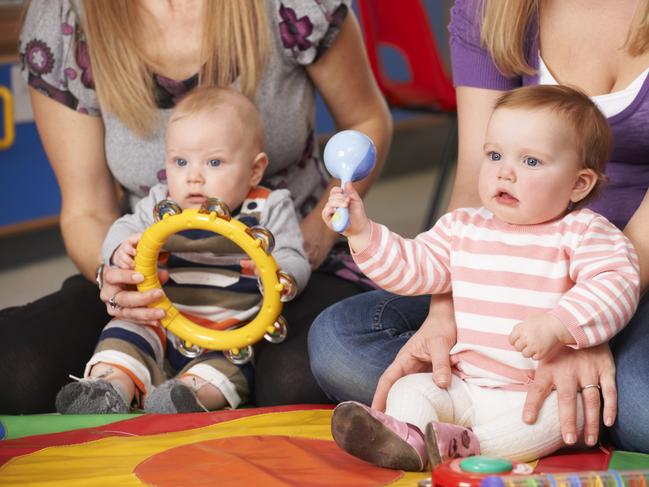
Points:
(180, 161)
(531, 162)
(214, 162)
(494, 156)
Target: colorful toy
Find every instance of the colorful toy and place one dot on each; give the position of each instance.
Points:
(471, 471)
(482, 471)
(256, 242)
(605, 478)
(349, 156)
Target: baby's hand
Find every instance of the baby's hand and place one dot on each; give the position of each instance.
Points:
(539, 337)
(349, 198)
(124, 256)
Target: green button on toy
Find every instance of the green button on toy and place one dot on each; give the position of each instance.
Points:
(486, 465)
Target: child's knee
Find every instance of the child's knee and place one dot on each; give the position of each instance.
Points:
(410, 386)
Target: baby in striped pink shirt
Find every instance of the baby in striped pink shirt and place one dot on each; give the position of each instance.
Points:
(532, 271)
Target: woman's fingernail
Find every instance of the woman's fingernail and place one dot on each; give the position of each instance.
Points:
(528, 417)
(608, 421)
(137, 277)
(591, 440)
(570, 438)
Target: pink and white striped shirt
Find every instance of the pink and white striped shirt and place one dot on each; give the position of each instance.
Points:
(579, 268)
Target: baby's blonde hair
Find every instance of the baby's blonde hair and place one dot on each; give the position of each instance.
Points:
(592, 135)
(210, 100)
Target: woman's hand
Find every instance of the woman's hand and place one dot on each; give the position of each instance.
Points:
(569, 372)
(318, 239)
(125, 302)
(427, 350)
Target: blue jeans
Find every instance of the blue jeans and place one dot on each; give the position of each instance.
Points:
(352, 342)
(631, 351)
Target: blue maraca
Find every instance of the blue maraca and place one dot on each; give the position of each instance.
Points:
(349, 156)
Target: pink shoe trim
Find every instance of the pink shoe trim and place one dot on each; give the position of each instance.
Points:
(375, 437)
(451, 441)
(406, 431)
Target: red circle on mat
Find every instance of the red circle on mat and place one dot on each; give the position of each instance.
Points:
(261, 460)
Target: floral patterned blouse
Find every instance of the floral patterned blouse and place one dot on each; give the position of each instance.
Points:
(54, 58)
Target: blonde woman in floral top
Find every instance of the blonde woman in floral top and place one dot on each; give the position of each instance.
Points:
(103, 78)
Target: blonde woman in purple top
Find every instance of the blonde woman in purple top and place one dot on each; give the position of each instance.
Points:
(103, 77)
(602, 48)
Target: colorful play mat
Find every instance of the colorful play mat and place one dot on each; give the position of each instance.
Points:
(289, 445)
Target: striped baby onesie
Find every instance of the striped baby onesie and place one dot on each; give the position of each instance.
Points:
(579, 268)
(207, 284)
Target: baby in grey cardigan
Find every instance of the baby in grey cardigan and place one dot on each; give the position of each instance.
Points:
(213, 149)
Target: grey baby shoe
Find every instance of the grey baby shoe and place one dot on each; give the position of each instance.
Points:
(91, 396)
(170, 397)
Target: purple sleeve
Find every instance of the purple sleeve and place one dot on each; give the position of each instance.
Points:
(471, 63)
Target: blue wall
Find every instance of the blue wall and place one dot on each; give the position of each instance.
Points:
(29, 189)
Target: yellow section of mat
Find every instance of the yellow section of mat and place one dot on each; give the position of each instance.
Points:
(127, 460)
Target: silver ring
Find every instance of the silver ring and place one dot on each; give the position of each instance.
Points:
(112, 302)
(99, 276)
(587, 386)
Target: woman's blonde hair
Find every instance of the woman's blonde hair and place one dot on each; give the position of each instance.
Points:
(505, 24)
(235, 45)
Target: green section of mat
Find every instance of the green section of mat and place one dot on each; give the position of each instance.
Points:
(38, 424)
(624, 460)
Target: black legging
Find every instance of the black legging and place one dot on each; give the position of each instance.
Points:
(45, 341)
(282, 371)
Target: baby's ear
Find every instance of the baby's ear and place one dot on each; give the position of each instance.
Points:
(584, 184)
(259, 164)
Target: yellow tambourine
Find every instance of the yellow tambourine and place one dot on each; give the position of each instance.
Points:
(256, 242)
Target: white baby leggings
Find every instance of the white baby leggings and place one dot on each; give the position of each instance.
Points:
(494, 415)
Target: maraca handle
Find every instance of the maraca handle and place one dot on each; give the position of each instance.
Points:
(340, 220)
(349, 156)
